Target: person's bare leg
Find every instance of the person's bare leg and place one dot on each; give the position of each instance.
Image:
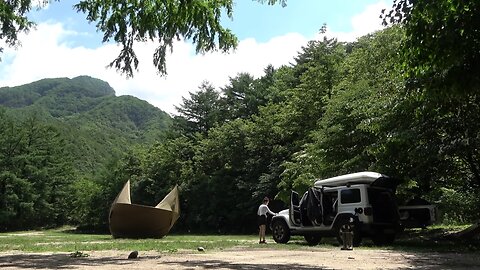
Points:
(260, 233)
(263, 233)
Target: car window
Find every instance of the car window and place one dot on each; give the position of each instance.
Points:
(350, 195)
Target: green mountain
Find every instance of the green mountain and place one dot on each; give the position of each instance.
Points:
(97, 125)
(60, 97)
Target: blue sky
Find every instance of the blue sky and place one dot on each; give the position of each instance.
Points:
(261, 21)
(65, 45)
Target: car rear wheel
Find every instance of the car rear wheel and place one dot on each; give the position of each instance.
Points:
(280, 231)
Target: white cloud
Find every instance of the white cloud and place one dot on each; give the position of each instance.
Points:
(368, 21)
(45, 53)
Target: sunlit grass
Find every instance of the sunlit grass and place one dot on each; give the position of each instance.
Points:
(59, 240)
(65, 240)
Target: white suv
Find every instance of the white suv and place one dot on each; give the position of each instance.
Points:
(367, 198)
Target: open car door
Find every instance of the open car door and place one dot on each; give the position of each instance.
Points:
(314, 206)
(294, 211)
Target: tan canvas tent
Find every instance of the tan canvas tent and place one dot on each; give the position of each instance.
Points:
(140, 221)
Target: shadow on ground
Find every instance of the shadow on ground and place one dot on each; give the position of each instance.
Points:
(323, 260)
(456, 261)
(421, 262)
(219, 264)
(62, 261)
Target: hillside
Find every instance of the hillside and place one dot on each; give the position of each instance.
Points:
(97, 125)
(60, 97)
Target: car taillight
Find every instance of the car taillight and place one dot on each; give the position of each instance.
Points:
(368, 211)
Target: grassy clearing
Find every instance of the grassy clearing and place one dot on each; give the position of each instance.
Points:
(64, 240)
(61, 240)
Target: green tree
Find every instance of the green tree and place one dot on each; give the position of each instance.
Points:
(36, 174)
(129, 21)
(441, 49)
(244, 95)
(345, 135)
(221, 165)
(92, 197)
(317, 69)
(202, 110)
(163, 166)
(441, 60)
(13, 20)
(239, 100)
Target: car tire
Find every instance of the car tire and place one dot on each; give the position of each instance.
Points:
(357, 237)
(312, 239)
(280, 232)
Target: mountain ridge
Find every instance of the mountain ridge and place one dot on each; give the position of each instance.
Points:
(97, 125)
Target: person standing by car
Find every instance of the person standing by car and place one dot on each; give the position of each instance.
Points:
(262, 219)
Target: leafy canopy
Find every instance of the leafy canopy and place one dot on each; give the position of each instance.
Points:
(129, 21)
(441, 49)
(13, 20)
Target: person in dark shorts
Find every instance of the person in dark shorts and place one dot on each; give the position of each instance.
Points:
(262, 212)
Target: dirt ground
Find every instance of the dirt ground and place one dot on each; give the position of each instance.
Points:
(264, 258)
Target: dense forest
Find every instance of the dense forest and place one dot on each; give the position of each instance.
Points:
(56, 137)
(68, 146)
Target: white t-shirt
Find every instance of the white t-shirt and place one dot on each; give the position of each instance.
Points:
(263, 210)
